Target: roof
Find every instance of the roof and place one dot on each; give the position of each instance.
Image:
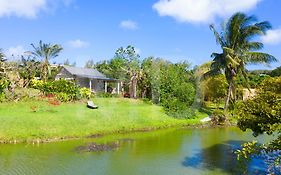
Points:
(86, 73)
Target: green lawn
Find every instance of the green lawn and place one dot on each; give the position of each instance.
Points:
(19, 122)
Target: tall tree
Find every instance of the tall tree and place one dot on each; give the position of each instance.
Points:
(236, 39)
(131, 67)
(45, 52)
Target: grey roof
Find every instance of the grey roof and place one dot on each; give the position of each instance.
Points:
(86, 72)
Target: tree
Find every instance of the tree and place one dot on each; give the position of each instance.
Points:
(276, 72)
(262, 114)
(238, 49)
(132, 67)
(45, 52)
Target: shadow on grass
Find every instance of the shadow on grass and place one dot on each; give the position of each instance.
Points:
(222, 157)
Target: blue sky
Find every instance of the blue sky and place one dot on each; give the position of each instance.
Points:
(176, 30)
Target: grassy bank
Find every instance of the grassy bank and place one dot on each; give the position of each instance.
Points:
(39, 121)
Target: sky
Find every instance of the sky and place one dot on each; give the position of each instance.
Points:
(176, 30)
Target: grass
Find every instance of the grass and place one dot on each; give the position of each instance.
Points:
(29, 121)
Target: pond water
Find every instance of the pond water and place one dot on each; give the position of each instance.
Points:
(173, 151)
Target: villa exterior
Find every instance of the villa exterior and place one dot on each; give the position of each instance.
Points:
(89, 78)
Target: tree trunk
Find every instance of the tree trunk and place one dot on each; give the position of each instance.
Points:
(133, 86)
(228, 98)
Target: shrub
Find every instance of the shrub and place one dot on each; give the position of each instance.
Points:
(62, 89)
(218, 117)
(85, 93)
(262, 114)
(63, 97)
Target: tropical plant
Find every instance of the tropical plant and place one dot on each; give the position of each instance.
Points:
(45, 52)
(28, 69)
(238, 49)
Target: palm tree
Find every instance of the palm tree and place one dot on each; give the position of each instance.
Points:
(238, 49)
(46, 52)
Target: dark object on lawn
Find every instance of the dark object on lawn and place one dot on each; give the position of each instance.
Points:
(91, 105)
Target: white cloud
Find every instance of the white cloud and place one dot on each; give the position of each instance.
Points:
(129, 25)
(201, 11)
(28, 8)
(272, 37)
(15, 52)
(78, 44)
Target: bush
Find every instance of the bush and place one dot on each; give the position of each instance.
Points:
(64, 90)
(218, 117)
(85, 93)
(63, 97)
(262, 114)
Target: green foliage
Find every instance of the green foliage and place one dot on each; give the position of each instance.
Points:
(63, 97)
(253, 80)
(238, 49)
(214, 88)
(22, 94)
(45, 52)
(218, 117)
(85, 93)
(176, 89)
(28, 69)
(276, 72)
(60, 88)
(4, 84)
(262, 114)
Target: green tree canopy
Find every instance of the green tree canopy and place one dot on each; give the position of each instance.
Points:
(238, 49)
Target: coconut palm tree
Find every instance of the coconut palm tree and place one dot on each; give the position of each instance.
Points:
(239, 48)
(45, 52)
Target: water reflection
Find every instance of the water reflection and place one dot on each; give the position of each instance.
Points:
(185, 151)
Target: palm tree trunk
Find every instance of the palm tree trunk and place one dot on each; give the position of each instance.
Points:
(228, 98)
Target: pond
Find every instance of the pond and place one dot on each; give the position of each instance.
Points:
(172, 151)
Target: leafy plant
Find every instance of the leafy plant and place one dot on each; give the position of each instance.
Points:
(262, 114)
(85, 93)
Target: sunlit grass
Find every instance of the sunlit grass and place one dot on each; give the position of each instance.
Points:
(37, 120)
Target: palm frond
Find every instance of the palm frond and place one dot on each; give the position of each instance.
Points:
(219, 38)
(258, 57)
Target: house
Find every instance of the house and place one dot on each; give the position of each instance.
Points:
(249, 93)
(90, 78)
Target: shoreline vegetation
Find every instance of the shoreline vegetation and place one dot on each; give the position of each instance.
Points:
(40, 121)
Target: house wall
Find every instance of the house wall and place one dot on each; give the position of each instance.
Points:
(97, 85)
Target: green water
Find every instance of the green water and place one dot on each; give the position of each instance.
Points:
(167, 152)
